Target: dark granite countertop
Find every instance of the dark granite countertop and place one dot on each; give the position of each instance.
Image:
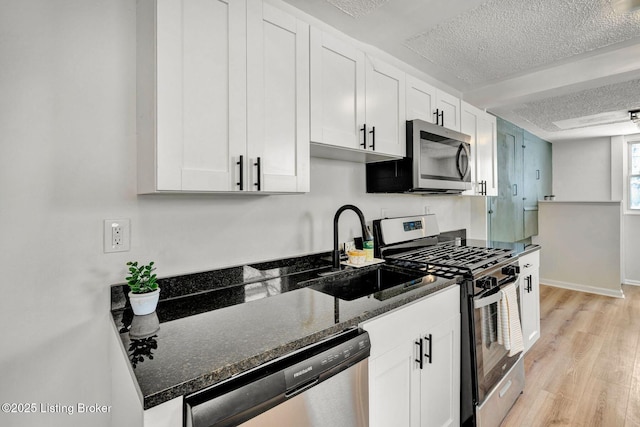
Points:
(212, 325)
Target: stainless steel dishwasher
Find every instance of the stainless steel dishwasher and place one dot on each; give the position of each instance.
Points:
(325, 384)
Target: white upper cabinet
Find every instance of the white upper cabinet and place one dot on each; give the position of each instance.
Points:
(481, 126)
(432, 105)
(448, 108)
(278, 100)
(421, 100)
(191, 94)
(337, 91)
(193, 117)
(357, 103)
(385, 108)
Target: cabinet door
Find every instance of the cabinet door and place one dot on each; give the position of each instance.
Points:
(421, 100)
(469, 117)
(385, 108)
(390, 385)
(481, 126)
(278, 94)
(396, 382)
(167, 414)
(449, 106)
(200, 93)
(440, 379)
(487, 154)
(337, 91)
(530, 298)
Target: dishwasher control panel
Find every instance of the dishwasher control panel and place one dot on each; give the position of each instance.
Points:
(335, 358)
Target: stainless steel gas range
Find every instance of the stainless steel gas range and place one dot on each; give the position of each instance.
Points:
(492, 366)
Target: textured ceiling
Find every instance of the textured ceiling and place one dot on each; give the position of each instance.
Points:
(561, 69)
(601, 105)
(357, 8)
(504, 37)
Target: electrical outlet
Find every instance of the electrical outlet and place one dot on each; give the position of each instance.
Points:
(117, 235)
(427, 210)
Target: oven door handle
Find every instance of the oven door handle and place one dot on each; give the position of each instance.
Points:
(494, 298)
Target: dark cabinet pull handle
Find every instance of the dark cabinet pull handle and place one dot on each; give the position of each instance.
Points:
(257, 164)
(420, 360)
(515, 189)
(363, 129)
(483, 188)
(437, 114)
(373, 138)
(537, 173)
(428, 356)
(442, 118)
(241, 164)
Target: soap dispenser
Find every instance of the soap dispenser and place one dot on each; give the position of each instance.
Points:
(367, 245)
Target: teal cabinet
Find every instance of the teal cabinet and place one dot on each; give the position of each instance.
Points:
(524, 177)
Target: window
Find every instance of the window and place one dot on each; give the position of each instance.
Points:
(634, 175)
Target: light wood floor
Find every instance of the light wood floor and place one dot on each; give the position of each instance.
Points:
(585, 368)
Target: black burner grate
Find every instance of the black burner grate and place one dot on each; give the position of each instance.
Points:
(448, 255)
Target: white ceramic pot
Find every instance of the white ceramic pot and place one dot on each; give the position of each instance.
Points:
(144, 303)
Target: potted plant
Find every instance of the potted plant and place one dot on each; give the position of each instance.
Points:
(144, 292)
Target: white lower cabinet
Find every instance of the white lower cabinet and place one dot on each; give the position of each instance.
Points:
(167, 414)
(530, 297)
(414, 368)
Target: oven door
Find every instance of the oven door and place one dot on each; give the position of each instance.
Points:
(492, 357)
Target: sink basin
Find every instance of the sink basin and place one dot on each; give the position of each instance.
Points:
(382, 282)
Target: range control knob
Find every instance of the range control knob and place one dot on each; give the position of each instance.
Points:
(487, 283)
(511, 270)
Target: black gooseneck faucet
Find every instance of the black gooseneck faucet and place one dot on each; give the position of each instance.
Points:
(366, 234)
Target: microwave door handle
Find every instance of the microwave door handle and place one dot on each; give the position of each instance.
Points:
(461, 152)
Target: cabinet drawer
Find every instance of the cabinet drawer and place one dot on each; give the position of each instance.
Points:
(529, 262)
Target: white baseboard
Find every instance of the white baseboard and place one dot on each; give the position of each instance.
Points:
(632, 282)
(583, 288)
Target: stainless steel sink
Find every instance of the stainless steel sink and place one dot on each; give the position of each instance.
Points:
(381, 282)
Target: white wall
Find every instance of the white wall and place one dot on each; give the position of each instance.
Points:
(582, 169)
(67, 162)
(594, 170)
(581, 246)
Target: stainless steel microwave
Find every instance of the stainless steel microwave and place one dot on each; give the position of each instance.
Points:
(437, 162)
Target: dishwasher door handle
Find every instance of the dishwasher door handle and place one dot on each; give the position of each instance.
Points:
(303, 387)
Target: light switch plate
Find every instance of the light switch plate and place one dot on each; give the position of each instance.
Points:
(117, 235)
